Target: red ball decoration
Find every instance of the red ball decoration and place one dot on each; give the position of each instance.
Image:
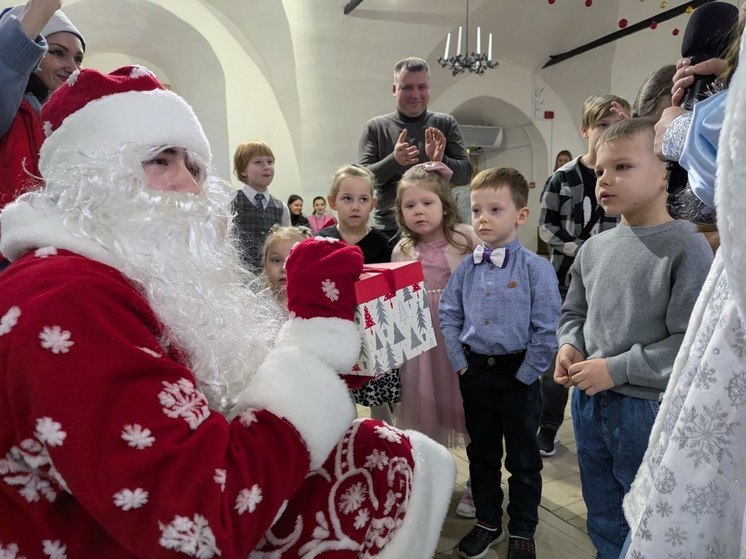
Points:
(653, 24)
(623, 23)
(552, 1)
(675, 32)
(588, 3)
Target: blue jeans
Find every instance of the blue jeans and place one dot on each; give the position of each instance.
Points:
(611, 434)
(499, 407)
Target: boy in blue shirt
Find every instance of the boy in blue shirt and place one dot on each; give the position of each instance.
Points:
(499, 315)
(630, 298)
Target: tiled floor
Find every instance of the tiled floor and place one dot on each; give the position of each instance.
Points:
(561, 533)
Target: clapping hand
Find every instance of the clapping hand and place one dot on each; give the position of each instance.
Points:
(404, 153)
(435, 144)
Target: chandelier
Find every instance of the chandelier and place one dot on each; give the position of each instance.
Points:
(476, 63)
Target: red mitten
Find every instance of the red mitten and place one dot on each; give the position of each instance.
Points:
(321, 280)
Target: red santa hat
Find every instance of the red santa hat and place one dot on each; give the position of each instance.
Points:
(94, 113)
(321, 278)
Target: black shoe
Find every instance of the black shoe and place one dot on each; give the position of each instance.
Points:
(522, 548)
(547, 438)
(476, 543)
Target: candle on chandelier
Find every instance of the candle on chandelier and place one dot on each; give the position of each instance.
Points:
(448, 46)
(458, 52)
(489, 48)
(479, 40)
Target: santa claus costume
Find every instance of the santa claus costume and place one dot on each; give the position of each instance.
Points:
(149, 406)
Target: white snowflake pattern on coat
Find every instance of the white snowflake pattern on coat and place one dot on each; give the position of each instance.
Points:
(43, 252)
(220, 478)
(49, 432)
(191, 537)
(376, 460)
(247, 417)
(30, 467)
(55, 339)
(352, 499)
(389, 433)
(9, 320)
(330, 290)
(54, 549)
(137, 436)
(150, 352)
(182, 399)
(10, 552)
(248, 499)
(127, 499)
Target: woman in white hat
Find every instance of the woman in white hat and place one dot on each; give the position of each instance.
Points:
(39, 49)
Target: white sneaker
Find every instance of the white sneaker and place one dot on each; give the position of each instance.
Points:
(465, 507)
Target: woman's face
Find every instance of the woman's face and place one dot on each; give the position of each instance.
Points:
(319, 206)
(65, 55)
(296, 208)
(562, 159)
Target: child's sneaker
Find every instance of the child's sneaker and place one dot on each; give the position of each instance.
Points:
(465, 507)
(477, 543)
(547, 438)
(521, 548)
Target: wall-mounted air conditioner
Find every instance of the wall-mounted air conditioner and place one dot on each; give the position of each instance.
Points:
(485, 137)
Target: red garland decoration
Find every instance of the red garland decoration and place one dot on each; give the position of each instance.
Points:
(588, 3)
(623, 23)
(675, 32)
(653, 24)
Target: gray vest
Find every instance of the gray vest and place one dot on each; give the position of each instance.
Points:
(252, 225)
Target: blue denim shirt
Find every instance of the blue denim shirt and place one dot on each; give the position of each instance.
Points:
(498, 311)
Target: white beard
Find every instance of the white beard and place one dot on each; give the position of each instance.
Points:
(178, 250)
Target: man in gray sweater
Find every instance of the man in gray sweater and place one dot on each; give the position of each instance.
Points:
(630, 297)
(392, 143)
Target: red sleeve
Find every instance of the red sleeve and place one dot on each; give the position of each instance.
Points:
(126, 429)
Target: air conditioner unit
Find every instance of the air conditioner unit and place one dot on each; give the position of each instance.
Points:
(485, 137)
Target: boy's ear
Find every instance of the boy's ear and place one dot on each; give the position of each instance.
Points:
(584, 131)
(332, 202)
(522, 217)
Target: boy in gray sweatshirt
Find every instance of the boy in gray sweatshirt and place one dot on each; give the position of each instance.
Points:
(631, 294)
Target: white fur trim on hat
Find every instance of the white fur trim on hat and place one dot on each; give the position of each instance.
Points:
(147, 118)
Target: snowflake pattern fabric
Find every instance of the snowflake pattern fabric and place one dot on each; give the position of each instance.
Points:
(695, 507)
(360, 494)
(55, 339)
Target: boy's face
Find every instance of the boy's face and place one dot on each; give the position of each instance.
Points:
(353, 202)
(260, 171)
(494, 215)
(594, 133)
(631, 179)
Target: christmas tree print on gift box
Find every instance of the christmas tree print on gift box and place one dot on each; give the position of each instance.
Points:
(392, 315)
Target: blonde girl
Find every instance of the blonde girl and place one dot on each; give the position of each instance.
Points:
(274, 254)
(351, 195)
(431, 233)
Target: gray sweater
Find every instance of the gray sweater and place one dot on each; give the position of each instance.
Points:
(631, 294)
(376, 152)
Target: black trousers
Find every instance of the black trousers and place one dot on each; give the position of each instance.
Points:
(553, 399)
(497, 407)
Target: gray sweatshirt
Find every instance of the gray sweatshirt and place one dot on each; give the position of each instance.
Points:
(631, 294)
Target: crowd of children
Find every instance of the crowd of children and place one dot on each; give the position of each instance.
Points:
(625, 274)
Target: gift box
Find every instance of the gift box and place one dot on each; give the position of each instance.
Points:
(393, 316)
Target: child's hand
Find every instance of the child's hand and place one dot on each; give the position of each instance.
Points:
(618, 110)
(591, 376)
(435, 144)
(566, 356)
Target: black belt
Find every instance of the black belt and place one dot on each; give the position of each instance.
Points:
(506, 360)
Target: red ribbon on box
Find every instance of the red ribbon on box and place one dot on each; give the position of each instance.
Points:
(386, 279)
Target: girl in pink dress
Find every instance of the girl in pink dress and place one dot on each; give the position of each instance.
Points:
(431, 233)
